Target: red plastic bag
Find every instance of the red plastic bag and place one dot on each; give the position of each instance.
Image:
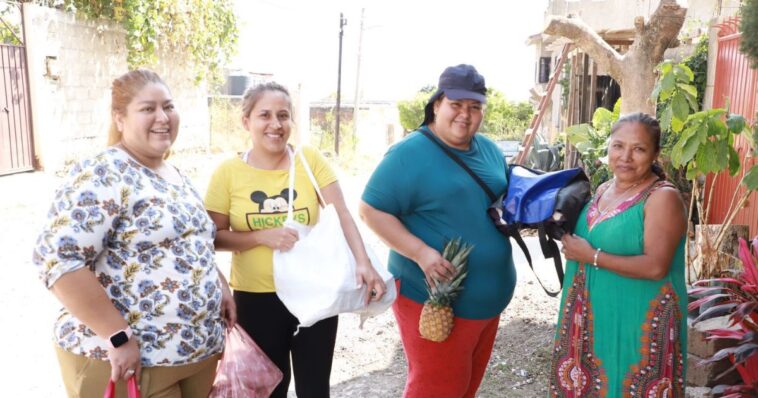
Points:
(132, 391)
(244, 370)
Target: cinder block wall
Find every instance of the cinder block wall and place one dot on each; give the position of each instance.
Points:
(71, 65)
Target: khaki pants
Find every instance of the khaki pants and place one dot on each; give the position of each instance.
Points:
(86, 377)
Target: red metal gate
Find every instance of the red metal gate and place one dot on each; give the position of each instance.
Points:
(735, 86)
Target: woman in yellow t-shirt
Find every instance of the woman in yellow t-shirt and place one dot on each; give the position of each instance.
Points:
(247, 199)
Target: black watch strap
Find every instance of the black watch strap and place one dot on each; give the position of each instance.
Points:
(121, 337)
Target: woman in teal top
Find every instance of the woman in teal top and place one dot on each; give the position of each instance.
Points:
(622, 325)
(417, 199)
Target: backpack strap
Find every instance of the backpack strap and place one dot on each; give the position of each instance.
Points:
(549, 247)
(460, 162)
(512, 231)
(550, 250)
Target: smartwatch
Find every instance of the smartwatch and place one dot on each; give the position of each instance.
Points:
(121, 337)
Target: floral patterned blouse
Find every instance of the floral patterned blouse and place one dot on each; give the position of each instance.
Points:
(150, 244)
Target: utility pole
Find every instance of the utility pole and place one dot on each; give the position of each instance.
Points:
(356, 101)
(343, 22)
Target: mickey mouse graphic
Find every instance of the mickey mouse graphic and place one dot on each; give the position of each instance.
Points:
(272, 204)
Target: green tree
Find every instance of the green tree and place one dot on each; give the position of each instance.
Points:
(503, 119)
(10, 31)
(206, 30)
(412, 110)
(749, 28)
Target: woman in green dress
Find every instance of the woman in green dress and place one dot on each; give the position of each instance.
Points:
(622, 323)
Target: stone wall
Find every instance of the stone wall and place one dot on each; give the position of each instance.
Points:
(71, 64)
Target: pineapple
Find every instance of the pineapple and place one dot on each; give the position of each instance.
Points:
(436, 320)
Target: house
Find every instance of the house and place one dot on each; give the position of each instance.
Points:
(584, 86)
(377, 125)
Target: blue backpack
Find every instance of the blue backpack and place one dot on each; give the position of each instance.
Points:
(548, 202)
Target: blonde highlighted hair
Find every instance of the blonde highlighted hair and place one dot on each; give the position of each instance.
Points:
(123, 91)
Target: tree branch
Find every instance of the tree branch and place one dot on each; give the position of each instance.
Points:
(661, 31)
(588, 41)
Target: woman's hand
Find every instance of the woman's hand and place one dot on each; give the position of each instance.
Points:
(577, 249)
(125, 361)
(282, 239)
(434, 266)
(366, 274)
(228, 307)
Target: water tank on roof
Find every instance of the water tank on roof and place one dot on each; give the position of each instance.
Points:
(236, 84)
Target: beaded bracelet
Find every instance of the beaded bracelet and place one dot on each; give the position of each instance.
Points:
(594, 259)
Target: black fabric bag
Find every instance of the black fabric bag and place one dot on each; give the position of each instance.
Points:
(548, 202)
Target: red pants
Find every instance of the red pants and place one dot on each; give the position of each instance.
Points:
(453, 368)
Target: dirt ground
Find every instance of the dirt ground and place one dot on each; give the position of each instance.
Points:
(368, 362)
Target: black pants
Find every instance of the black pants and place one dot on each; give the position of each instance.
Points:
(265, 318)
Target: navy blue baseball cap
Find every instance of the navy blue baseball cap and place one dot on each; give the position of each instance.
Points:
(457, 82)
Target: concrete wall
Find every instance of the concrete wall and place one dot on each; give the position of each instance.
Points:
(71, 66)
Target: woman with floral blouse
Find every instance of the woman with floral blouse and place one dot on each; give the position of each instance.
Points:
(128, 250)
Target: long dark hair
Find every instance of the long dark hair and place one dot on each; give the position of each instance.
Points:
(652, 127)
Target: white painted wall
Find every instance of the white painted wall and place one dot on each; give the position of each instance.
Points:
(373, 126)
(71, 113)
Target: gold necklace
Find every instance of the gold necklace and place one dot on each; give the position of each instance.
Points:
(618, 200)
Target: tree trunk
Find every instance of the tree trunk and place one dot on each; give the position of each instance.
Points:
(635, 70)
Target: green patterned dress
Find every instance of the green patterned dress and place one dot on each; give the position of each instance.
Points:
(618, 336)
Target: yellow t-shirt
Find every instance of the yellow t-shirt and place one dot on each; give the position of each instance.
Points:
(256, 199)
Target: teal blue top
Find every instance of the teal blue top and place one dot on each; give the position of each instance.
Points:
(436, 200)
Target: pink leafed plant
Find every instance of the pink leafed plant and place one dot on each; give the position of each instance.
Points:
(737, 297)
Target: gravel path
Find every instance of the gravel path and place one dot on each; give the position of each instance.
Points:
(369, 362)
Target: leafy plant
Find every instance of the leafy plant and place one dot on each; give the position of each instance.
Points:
(698, 64)
(702, 144)
(591, 140)
(675, 94)
(737, 296)
(205, 29)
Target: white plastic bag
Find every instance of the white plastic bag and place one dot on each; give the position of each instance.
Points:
(316, 278)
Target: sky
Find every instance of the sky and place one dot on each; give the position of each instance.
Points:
(406, 44)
